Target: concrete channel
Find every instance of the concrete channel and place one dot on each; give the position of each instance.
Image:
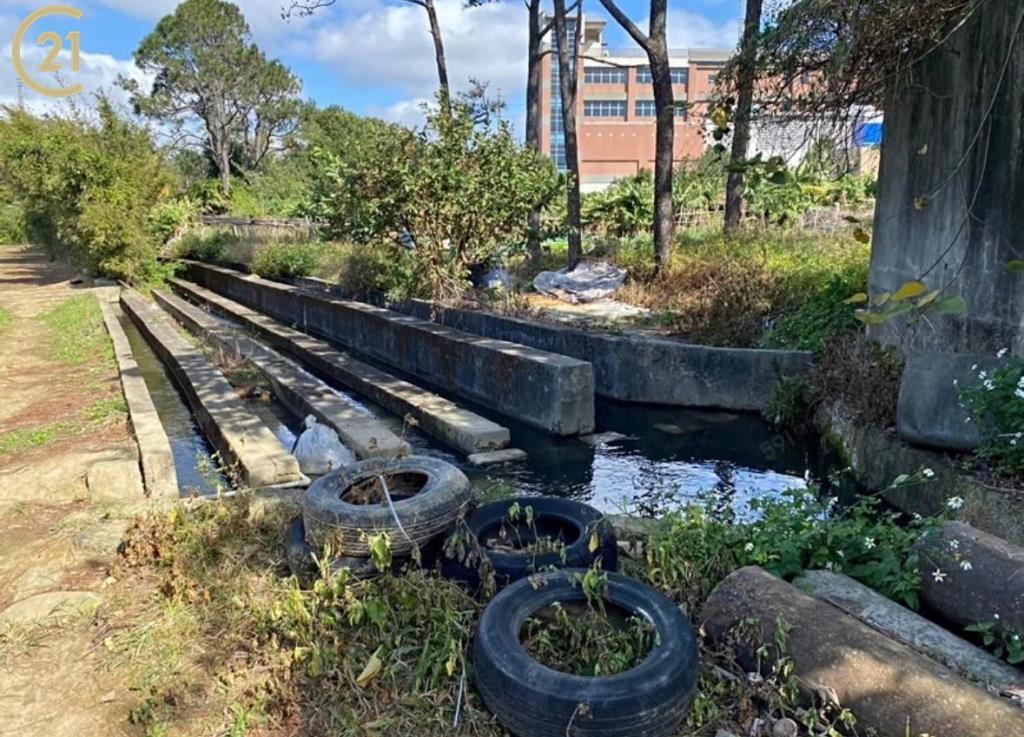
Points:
(549, 391)
(246, 445)
(156, 459)
(300, 391)
(456, 427)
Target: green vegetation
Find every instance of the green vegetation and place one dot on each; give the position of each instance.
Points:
(286, 261)
(85, 189)
(77, 333)
(18, 441)
(996, 406)
(723, 291)
(12, 225)
(6, 319)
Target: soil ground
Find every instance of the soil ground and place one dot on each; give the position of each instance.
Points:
(53, 680)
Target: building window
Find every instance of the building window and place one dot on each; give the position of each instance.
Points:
(649, 109)
(680, 75)
(604, 108)
(645, 109)
(604, 75)
(712, 79)
(558, 155)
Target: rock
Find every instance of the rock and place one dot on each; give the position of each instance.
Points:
(970, 577)
(114, 481)
(785, 728)
(508, 455)
(51, 606)
(910, 628)
(890, 687)
(588, 282)
(602, 438)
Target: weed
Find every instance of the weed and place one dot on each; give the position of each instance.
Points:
(77, 333)
(6, 319)
(17, 441)
(996, 405)
(286, 261)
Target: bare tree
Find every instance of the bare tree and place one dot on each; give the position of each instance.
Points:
(655, 44)
(746, 76)
(308, 7)
(567, 83)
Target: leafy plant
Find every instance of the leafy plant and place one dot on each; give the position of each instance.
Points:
(286, 261)
(819, 320)
(1004, 642)
(996, 406)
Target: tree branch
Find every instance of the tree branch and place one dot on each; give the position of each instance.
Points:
(631, 28)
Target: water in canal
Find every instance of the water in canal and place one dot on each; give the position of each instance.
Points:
(642, 459)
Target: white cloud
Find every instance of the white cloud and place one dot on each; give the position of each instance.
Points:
(391, 45)
(410, 113)
(686, 30)
(97, 73)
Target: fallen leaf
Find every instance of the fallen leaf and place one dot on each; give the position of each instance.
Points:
(371, 671)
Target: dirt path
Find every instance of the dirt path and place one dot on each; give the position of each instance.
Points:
(56, 545)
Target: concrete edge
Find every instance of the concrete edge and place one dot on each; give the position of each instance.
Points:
(306, 394)
(454, 426)
(155, 456)
(244, 442)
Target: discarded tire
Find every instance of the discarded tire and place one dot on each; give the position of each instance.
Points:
(532, 700)
(572, 522)
(302, 562)
(346, 507)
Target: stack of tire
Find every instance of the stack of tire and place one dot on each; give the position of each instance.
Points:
(530, 699)
(427, 496)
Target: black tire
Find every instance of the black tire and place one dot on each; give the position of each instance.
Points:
(441, 495)
(301, 558)
(575, 521)
(532, 700)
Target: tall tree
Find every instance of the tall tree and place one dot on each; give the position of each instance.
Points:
(655, 45)
(537, 30)
(746, 76)
(207, 69)
(568, 82)
(308, 7)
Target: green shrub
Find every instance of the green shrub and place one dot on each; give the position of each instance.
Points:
(286, 261)
(172, 218)
(210, 245)
(12, 225)
(996, 406)
(824, 316)
(86, 189)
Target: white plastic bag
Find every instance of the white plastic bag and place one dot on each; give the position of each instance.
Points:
(319, 451)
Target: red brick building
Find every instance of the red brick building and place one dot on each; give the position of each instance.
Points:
(615, 111)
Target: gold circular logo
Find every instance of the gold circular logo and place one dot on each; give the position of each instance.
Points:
(50, 63)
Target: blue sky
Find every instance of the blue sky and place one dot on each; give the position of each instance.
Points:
(371, 56)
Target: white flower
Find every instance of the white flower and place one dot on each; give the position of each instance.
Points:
(840, 554)
(749, 547)
(954, 545)
(1013, 441)
(927, 473)
(917, 516)
(869, 542)
(1020, 392)
(974, 367)
(830, 566)
(982, 375)
(956, 382)
(989, 385)
(955, 502)
(966, 565)
(995, 616)
(939, 576)
(1002, 353)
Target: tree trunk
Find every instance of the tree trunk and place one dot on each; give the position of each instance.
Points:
(567, 79)
(533, 116)
(746, 77)
(664, 100)
(442, 64)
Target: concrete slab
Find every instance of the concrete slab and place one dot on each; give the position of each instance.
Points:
(435, 415)
(302, 392)
(114, 481)
(51, 607)
(910, 628)
(891, 688)
(509, 455)
(246, 445)
(546, 390)
(929, 411)
(155, 456)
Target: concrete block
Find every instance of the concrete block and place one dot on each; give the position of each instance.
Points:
(636, 368)
(155, 455)
(508, 455)
(929, 411)
(890, 687)
(550, 391)
(302, 392)
(435, 415)
(910, 628)
(990, 588)
(115, 481)
(244, 442)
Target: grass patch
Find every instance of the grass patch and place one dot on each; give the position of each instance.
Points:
(77, 333)
(18, 441)
(6, 319)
